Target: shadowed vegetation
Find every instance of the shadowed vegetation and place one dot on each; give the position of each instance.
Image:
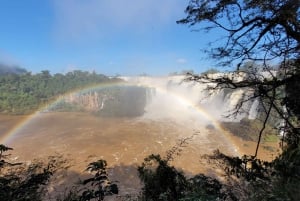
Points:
(258, 31)
(258, 34)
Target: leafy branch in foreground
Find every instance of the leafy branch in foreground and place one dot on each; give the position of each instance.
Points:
(163, 181)
(3, 149)
(257, 30)
(258, 34)
(266, 35)
(26, 182)
(100, 185)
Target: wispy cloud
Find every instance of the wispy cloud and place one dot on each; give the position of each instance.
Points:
(94, 18)
(181, 61)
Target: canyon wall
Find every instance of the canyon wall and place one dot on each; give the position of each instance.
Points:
(160, 96)
(219, 104)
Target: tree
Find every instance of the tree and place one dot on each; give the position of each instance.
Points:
(25, 93)
(21, 182)
(262, 30)
(100, 181)
(26, 182)
(3, 149)
(264, 33)
(258, 31)
(161, 181)
(211, 71)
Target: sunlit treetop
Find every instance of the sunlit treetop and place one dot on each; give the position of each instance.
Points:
(260, 30)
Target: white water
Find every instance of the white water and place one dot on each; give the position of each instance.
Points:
(254, 110)
(170, 92)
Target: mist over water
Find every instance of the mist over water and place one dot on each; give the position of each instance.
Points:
(173, 98)
(126, 123)
(180, 109)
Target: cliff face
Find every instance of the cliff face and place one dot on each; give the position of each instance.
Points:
(158, 95)
(91, 101)
(219, 103)
(119, 101)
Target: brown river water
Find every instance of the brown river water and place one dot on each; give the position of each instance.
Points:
(122, 142)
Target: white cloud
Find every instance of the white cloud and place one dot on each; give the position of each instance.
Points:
(77, 18)
(181, 61)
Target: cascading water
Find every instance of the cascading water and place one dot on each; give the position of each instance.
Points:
(130, 122)
(102, 104)
(253, 112)
(219, 104)
(156, 97)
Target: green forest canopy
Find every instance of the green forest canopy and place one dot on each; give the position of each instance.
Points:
(260, 30)
(26, 92)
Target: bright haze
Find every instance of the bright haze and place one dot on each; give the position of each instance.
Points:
(112, 37)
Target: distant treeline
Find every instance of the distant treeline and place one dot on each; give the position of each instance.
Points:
(25, 93)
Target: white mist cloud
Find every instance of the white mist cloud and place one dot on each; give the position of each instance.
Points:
(77, 18)
(181, 61)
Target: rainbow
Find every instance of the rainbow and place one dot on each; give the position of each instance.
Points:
(12, 133)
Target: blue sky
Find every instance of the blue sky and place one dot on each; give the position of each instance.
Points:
(127, 37)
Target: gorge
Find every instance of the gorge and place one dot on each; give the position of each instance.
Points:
(124, 123)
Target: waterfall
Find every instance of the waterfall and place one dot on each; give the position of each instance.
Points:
(102, 104)
(165, 97)
(219, 104)
(253, 110)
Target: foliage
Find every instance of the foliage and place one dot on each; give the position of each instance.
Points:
(161, 181)
(21, 182)
(211, 71)
(201, 187)
(102, 186)
(25, 93)
(250, 178)
(164, 182)
(257, 29)
(259, 34)
(26, 182)
(247, 167)
(248, 129)
(3, 149)
(292, 89)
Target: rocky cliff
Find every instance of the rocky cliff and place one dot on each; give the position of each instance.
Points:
(219, 103)
(158, 95)
(117, 101)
